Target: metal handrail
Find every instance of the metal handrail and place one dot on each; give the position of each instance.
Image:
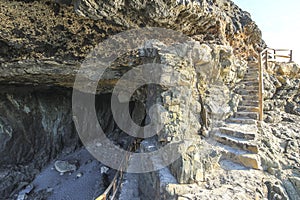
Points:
(273, 54)
(116, 182)
(268, 55)
(261, 86)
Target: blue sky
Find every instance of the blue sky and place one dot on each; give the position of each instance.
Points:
(279, 21)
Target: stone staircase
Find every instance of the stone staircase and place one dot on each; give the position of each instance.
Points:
(237, 137)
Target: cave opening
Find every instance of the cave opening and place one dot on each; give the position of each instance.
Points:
(37, 127)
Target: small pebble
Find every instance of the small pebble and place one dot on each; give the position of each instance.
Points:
(98, 144)
(89, 161)
(64, 166)
(49, 190)
(104, 170)
(79, 175)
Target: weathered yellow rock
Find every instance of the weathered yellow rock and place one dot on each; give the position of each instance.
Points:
(288, 69)
(282, 79)
(253, 149)
(250, 160)
(199, 175)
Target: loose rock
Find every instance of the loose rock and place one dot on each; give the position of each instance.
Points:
(64, 166)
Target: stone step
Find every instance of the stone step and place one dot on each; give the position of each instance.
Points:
(248, 108)
(253, 97)
(252, 71)
(250, 83)
(252, 128)
(220, 87)
(253, 79)
(249, 103)
(250, 78)
(251, 115)
(241, 121)
(242, 157)
(253, 87)
(237, 133)
(244, 87)
(252, 68)
(236, 142)
(249, 89)
(251, 75)
(247, 92)
(253, 64)
(249, 160)
(246, 160)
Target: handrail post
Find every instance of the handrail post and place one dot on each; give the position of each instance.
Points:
(266, 60)
(291, 55)
(260, 67)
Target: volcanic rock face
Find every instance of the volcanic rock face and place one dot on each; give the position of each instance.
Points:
(282, 88)
(44, 29)
(208, 21)
(54, 35)
(26, 114)
(42, 46)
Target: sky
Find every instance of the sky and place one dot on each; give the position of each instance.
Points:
(279, 21)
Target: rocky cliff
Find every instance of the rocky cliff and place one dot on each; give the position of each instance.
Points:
(49, 39)
(42, 46)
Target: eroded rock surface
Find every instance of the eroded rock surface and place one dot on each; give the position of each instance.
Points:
(42, 44)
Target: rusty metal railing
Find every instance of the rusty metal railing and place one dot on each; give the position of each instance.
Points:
(111, 191)
(268, 55)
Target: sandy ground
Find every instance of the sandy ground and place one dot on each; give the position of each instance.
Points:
(85, 183)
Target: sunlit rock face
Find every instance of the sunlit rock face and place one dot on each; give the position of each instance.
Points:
(208, 21)
(42, 46)
(51, 50)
